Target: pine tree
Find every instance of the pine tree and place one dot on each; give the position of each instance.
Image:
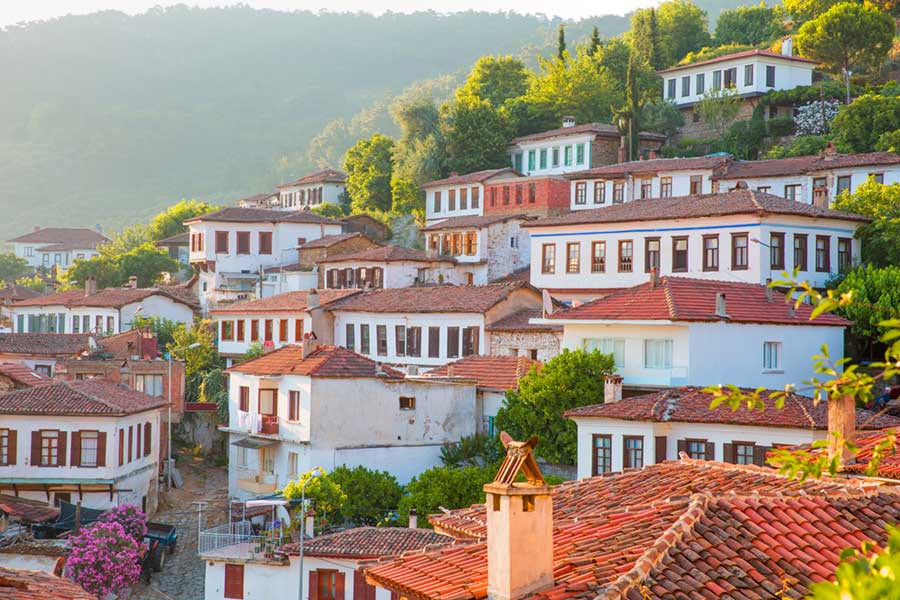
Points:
(561, 43)
(632, 105)
(655, 55)
(595, 40)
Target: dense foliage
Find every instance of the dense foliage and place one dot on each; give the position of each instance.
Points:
(444, 487)
(880, 238)
(104, 559)
(323, 493)
(876, 296)
(372, 496)
(750, 25)
(12, 267)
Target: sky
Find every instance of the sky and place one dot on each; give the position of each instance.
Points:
(14, 11)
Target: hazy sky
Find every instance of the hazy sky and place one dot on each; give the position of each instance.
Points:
(14, 11)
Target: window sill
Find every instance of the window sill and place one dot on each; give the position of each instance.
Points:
(773, 371)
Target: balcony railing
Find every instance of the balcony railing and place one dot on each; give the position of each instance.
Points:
(269, 425)
(237, 540)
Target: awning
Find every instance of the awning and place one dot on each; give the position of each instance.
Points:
(253, 443)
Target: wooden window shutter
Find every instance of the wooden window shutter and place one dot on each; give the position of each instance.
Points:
(660, 448)
(339, 585)
(298, 330)
(130, 443)
(359, 585)
(313, 585)
(121, 447)
(62, 448)
(759, 455)
(101, 449)
(234, 582)
(36, 449)
(710, 451)
(11, 453)
(728, 453)
(76, 448)
(148, 430)
(682, 447)
(395, 595)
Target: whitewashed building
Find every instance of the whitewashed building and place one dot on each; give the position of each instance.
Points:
(742, 235)
(317, 188)
(391, 267)
(290, 412)
(94, 442)
(426, 326)
(459, 195)
(681, 331)
(231, 247)
(57, 246)
(644, 430)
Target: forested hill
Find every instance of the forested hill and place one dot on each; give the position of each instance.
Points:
(107, 118)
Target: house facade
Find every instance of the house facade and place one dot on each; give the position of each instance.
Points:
(93, 442)
(390, 267)
(512, 194)
(290, 411)
(516, 335)
(459, 195)
(306, 273)
(58, 247)
(317, 188)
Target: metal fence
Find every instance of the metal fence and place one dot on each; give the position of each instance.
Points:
(230, 534)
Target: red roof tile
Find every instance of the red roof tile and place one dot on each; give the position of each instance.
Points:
(89, 397)
(14, 292)
(234, 214)
(19, 584)
(603, 129)
(370, 542)
(521, 321)
(30, 511)
(179, 239)
(387, 254)
(748, 169)
(108, 297)
(687, 299)
(323, 176)
(324, 361)
(473, 222)
(491, 372)
(737, 56)
(692, 405)
(651, 166)
(866, 442)
(431, 299)
(293, 302)
(44, 344)
(330, 240)
(87, 238)
(20, 373)
(476, 177)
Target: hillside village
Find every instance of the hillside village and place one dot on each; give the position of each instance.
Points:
(624, 327)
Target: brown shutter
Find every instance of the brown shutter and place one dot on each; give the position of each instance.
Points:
(313, 585)
(11, 453)
(682, 447)
(130, 443)
(359, 585)
(759, 455)
(76, 448)
(36, 449)
(395, 595)
(234, 582)
(101, 449)
(710, 451)
(121, 447)
(660, 448)
(62, 448)
(339, 585)
(728, 453)
(148, 430)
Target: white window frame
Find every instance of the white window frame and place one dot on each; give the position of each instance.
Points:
(90, 443)
(659, 353)
(614, 346)
(772, 355)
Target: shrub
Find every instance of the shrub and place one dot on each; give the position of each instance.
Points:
(371, 495)
(104, 559)
(130, 517)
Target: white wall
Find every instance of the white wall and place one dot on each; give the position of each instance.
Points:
(559, 143)
(290, 197)
(37, 259)
(122, 319)
(776, 185)
(681, 186)
(443, 211)
(235, 347)
(400, 274)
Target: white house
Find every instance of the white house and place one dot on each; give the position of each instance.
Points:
(333, 562)
(573, 148)
(391, 267)
(276, 321)
(91, 441)
(229, 248)
(106, 311)
(485, 248)
(459, 195)
(644, 430)
(680, 331)
(290, 412)
(741, 235)
(312, 190)
(426, 326)
(816, 179)
(57, 246)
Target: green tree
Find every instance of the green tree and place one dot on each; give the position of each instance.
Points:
(171, 221)
(12, 267)
(214, 389)
(681, 26)
(163, 329)
(478, 450)
(371, 495)
(645, 38)
(561, 53)
(202, 358)
(802, 11)
(330, 210)
(446, 487)
(750, 25)
(568, 380)
(876, 298)
(880, 239)
(847, 37)
(661, 116)
(478, 136)
(146, 262)
(368, 165)
(805, 145)
(889, 141)
(255, 350)
(710, 52)
(323, 492)
(718, 108)
(595, 42)
(493, 78)
(420, 155)
(860, 125)
(33, 283)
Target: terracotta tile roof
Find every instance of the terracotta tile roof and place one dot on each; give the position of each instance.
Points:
(430, 299)
(86, 238)
(656, 165)
(688, 299)
(735, 202)
(738, 56)
(691, 405)
(62, 247)
(108, 297)
(88, 397)
(234, 214)
(48, 344)
(473, 222)
(14, 292)
(329, 240)
(19, 584)
(20, 373)
(889, 466)
(748, 169)
(256, 200)
(179, 239)
(323, 176)
(288, 302)
(475, 177)
(324, 361)
(521, 321)
(387, 254)
(580, 499)
(491, 372)
(523, 274)
(30, 511)
(602, 129)
(369, 542)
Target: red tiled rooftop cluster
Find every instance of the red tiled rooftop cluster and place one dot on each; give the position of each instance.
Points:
(286, 302)
(107, 297)
(79, 237)
(20, 373)
(430, 299)
(324, 361)
(19, 584)
(88, 397)
(491, 372)
(370, 542)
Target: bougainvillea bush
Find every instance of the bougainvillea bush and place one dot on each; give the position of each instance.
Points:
(130, 517)
(104, 559)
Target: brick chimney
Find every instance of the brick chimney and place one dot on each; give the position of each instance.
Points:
(133, 282)
(310, 524)
(787, 46)
(413, 519)
(519, 525)
(312, 299)
(841, 427)
(620, 156)
(654, 278)
(830, 151)
(310, 343)
(612, 388)
(90, 285)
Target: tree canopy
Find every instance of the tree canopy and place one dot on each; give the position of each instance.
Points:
(368, 165)
(750, 25)
(682, 28)
(12, 267)
(848, 36)
(146, 262)
(880, 239)
(495, 79)
(859, 125)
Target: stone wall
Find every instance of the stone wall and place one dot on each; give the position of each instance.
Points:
(502, 258)
(696, 128)
(546, 343)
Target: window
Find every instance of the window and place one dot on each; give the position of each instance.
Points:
(400, 340)
(364, 346)
(407, 403)
(298, 330)
(696, 449)
(626, 256)
(293, 461)
(350, 336)
(452, 342)
(770, 76)
(731, 77)
(581, 192)
(88, 448)
(505, 195)
(602, 456)
(665, 187)
(800, 252)
(152, 385)
(658, 354)
(843, 183)
(221, 242)
(328, 584)
(771, 356)
(532, 155)
(600, 192)
(646, 188)
(414, 341)
(243, 242)
(618, 192)
(517, 162)
(227, 330)
(463, 198)
(555, 157)
(254, 330)
(845, 246)
(110, 324)
(437, 202)
(548, 258)
(434, 342)
(717, 80)
(267, 402)
(518, 193)
(470, 337)
(573, 257)
(685, 86)
(679, 254)
(451, 200)
(739, 254)
(476, 197)
(381, 340)
(696, 184)
(633, 457)
(614, 346)
(265, 242)
(579, 154)
(244, 399)
(877, 177)
(651, 254)
(7, 447)
(532, 193)
(268, 331)
(240, 331)
(567, 156)
(293, 405)
(776, 250)
(543, 158)
(823, 253)
(700, 84)
(792, 191)
(710, 252)
(598, 257)
(670, 92)
(49, 446)
(748, 75)
(243, 458)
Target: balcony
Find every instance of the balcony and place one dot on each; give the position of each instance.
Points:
(237, 541)
(269, 425)
(260, 483)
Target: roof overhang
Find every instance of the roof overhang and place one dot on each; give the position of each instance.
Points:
(253, 443)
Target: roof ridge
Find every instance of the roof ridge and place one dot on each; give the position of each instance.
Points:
(71, 385)
(670, 300)
(755, 201)
(805, 412)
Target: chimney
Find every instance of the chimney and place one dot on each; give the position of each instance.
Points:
(841, 427)
(720, 305)
(568, 122)
(741, 185)
(830, 151)
(620, 156)
(653, 154)
(769, 295)
(413, 519)
(654, 278)
(612, 388)
(133, 282)
(310, 343)
(312, 299)
(37, 227)
(519, 525)
(787, 46)
(310, 524)
(90, 285)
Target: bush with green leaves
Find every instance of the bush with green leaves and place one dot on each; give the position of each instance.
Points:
(860, 125)
(880, 239)
(876, 298)
(478, 450)
(322, 492)
(372, 496)
(444, 487)
(806, 145)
